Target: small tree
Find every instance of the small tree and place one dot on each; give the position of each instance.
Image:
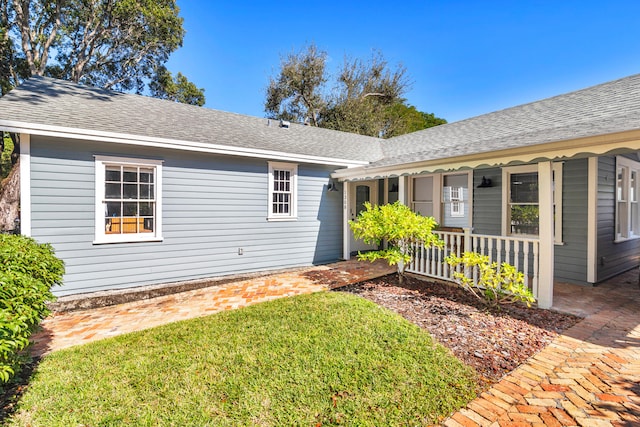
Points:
(493, 284)
(399, 227)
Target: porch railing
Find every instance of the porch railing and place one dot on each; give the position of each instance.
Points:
(522, 253)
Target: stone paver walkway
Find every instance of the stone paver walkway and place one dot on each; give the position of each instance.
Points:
(589, 376)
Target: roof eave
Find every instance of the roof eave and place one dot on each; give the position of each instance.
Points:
(183, 145)
(586, 146)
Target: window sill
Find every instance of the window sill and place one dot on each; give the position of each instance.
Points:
(104, 241)
(280, 219)
(625, 239)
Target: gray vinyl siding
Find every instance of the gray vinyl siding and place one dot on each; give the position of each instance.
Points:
(570, 260)
(613, 258)
(211, 206)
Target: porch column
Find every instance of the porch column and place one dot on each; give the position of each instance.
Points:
(402, 189)
(592, 217)
(346, 231)
(545, 194)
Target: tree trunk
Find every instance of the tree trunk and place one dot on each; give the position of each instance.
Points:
(10, 199)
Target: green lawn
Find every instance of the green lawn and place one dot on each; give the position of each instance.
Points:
(320, 359)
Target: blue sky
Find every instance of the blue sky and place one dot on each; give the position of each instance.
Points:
(464, 58)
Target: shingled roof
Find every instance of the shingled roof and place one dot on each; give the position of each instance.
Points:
(44, 102)
(599, 110)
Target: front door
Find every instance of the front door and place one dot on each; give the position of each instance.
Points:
(361, 192)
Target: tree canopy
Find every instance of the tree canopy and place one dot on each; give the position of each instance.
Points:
(114, 44)
(296, 94)
(178, 89)
(366, 97)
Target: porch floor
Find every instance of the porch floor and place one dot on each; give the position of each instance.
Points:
(589, 376)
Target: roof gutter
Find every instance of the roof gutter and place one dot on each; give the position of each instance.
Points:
(145, 141)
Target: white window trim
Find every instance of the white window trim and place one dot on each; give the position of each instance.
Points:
(293, 211)
(100, 236)
(557, 197)
(630, 165)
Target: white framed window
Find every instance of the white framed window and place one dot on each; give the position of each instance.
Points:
(283, 183)
(457, 204)
(521, 210)
(446, 197)
(627, 215)
(128, 202)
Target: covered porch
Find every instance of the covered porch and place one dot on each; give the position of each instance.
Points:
(452, 199)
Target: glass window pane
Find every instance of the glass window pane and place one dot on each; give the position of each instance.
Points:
(524, 187)
(146, 175)
(146, 209)
(112, 191)
(130, 175)
(130, 191)
(113, 209)
(112, 226)
(112, 173)
(130, 209)
(147, 225)
(362, 196)
(524, 219)
(146, 191)
(130, 225)
(620, 186)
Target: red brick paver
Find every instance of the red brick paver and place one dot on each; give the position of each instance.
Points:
(63, 330)
(589, 376)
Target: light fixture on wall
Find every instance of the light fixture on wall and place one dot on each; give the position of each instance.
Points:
(332, 186)
(486, 183)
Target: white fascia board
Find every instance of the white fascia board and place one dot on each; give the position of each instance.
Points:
(145, 141)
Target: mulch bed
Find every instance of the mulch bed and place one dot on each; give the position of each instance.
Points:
(494, 341)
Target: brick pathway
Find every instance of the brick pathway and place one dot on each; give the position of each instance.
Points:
(589, 376)
(62, 330)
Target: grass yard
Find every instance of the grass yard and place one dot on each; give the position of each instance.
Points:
(319, 359)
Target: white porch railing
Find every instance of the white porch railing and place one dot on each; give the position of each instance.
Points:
(522, 253)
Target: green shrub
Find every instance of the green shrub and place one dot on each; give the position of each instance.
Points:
(28, 270)
(399, 227)
(495, 285)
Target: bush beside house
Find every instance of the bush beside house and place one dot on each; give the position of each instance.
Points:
(28, 270)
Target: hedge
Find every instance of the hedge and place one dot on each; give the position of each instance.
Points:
(28, 270)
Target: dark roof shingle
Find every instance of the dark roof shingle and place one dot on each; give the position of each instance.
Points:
(51, 102)
(603, 109)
